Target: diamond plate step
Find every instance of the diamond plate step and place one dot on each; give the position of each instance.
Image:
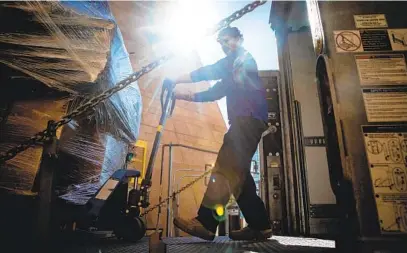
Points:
(219, 245)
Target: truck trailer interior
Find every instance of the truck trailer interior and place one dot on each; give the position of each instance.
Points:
(97, 155)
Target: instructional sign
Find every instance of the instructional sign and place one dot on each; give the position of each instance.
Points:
(386, 149)
(370, 40)
(370, 21)
(375, 40)
(381, 69)
(348, 41)
(398, 39)
(385, 104)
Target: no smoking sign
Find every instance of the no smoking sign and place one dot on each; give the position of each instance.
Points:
(348, 41)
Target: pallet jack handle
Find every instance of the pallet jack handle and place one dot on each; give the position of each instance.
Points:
(167, 100)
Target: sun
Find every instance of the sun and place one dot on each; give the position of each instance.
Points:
(184, 26)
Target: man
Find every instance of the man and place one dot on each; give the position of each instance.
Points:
(247, 112)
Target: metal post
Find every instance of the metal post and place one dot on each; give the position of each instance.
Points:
(227, 223)
(169, 232)
(161, 188)
(156, 245)
(45, 194)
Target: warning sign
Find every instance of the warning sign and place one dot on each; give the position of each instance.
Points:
(348, 41)
(386, 145)
(375, 40)
(381, 69)
(370, 40)
(370, 21)
(398, 39)
(385, 104)
(386, 149)
(392, 214)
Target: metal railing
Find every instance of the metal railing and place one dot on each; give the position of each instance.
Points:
(172, 181)
(170, 174)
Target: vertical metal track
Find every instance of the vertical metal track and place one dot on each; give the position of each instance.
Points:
(263, 181)
(302, 173)
(297, 172)
(293, 224)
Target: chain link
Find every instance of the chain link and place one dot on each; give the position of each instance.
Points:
(175, 193)
(223, 23)
(82, 109)
(37, 138)
(93, 102)
(240, 13)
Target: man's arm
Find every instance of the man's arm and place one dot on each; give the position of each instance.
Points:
(214, 93)
(183, 79)
(206, 73)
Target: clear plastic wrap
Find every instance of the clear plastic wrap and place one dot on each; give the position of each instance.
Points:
(74, 47)
(26, 118)
(89, 178)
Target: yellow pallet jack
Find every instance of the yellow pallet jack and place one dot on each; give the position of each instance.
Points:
(114, 208)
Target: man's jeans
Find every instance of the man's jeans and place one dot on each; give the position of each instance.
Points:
(231, 175)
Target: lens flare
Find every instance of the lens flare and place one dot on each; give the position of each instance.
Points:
(184, 26)
(220, 210)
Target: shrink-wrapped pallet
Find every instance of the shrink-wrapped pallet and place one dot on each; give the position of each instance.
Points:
(74, 48)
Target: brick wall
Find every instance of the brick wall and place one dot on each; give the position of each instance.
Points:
(194, 124)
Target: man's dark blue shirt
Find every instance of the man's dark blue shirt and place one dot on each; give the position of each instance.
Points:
(239, 82)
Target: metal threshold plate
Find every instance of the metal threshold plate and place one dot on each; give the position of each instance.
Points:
(219, 245)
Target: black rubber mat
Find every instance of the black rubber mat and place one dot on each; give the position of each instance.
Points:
(219, 245)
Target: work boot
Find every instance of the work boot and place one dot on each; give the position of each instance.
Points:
(195, 228)
(249, 234)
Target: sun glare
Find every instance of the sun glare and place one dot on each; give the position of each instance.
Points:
(184, 24)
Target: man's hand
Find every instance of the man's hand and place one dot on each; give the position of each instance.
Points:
(169, 83)
(188, 96)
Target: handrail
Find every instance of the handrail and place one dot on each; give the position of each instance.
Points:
(170, 146)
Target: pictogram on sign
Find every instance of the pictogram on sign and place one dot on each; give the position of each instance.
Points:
(348, 41)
